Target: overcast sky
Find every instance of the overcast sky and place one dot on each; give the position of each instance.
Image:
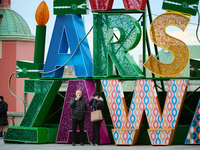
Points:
(27, 8)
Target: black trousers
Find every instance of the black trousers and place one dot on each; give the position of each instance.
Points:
(96, 134)
(75, 123)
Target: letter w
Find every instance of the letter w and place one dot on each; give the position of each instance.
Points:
(127, 124)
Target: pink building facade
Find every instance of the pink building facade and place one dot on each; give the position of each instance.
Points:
(16, 43)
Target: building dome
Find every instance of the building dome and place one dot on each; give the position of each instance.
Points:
(14, 26)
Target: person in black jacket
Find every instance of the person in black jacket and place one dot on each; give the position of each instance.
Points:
(97, 103)
(78, 112)
(3, 116)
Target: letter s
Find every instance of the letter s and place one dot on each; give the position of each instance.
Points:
(176, 46)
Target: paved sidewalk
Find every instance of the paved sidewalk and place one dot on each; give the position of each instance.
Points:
(20, 146)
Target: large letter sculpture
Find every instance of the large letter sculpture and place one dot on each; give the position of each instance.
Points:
(177, 47)
(193, 136)
(105, 50)
(45, 92)
(30, 129)
(127, 124)
(88, 88)
(68, 32)
(107, 4)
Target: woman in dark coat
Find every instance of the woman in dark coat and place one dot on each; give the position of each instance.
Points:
(3, 116)
(97, 103)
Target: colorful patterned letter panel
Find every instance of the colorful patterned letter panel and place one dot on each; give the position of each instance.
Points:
(145, 100)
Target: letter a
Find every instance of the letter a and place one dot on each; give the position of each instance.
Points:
(88, 88)
(68, 32)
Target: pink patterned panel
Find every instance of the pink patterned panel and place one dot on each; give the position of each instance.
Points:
(88, 88)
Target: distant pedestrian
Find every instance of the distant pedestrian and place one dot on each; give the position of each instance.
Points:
(97, 103)
(79, 110)
(3, 116)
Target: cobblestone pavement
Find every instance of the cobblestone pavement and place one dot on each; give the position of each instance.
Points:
(28, 146)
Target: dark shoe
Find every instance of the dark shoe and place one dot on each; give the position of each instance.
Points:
(73, 144)
(81, 143)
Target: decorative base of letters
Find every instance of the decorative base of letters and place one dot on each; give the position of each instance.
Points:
(160, 136)
(26, 134)
(124, 136)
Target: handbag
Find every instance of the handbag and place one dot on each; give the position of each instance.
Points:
(96, 115)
